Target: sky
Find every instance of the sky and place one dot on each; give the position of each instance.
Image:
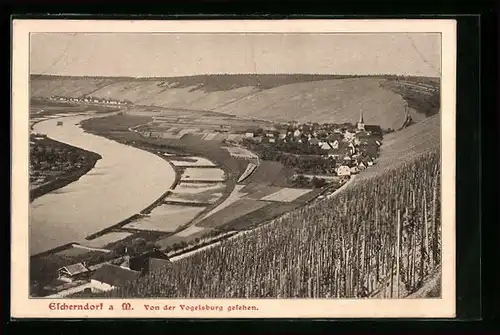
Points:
(170, 55)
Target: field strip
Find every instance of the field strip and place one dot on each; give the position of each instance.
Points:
(79, 246)
(286, 194)
(248, 172)
(235, 195)
(245, 232)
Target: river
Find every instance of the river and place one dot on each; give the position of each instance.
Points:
(122, 183)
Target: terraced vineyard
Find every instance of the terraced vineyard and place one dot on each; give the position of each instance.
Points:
(377, 238)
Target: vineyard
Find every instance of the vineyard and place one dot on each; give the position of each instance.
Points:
(379, 238)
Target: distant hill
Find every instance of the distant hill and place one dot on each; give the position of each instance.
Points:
(302, 97)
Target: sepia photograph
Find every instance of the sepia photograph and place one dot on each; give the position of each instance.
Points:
(207, 165)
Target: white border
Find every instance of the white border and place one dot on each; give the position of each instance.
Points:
(23, 307)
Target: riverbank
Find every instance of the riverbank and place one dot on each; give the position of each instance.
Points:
(88, 161)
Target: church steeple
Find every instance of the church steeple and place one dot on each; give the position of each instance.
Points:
(361, 122)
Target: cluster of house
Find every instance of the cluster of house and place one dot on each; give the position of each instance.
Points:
(90, 99)
(79, 278)
(352, 147)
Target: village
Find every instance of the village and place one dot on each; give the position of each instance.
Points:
(89, 100)
(319, 154)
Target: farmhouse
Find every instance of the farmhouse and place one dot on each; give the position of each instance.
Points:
(374, 130)
(343, 170)
(109, 276)
(326, 146)
(149, 261)
(73, 272)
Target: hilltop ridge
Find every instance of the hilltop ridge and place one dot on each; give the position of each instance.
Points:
(317, 98)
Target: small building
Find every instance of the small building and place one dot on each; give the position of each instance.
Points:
(297, 133)
(73, 272)
(352, 148)
(249, 134)
(354, 169)
(149, 261)
(109, 276)
(335, 145)
(272, 140)
(343, 170)
(361, 165)
(326, 146)
(348, 136)
(374, 130)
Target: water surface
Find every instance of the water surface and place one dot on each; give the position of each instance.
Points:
(122, 183)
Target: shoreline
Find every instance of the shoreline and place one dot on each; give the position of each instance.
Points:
(125, 221)
(64, 180)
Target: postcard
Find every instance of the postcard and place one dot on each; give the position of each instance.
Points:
(233, 169)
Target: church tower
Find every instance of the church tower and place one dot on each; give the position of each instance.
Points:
(361, 122)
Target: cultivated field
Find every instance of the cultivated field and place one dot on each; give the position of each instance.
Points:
(191, 161)
(241, 152)
(286, 194)
(190, 231)
(203, 174)
(208, 197)
(165, 218)
(231, 212)
(350, 252)
(106, 239)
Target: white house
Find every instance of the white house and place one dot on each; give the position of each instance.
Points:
(352, 148)
(72, 272)
(297, 133)
(343, 170)
(326, 146)
(248, 134)
(348, 135)
(272, 140)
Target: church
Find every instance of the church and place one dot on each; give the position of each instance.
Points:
(373, 130)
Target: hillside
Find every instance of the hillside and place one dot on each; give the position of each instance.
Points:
(316, 98)
(405, 145)
(348, 252)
